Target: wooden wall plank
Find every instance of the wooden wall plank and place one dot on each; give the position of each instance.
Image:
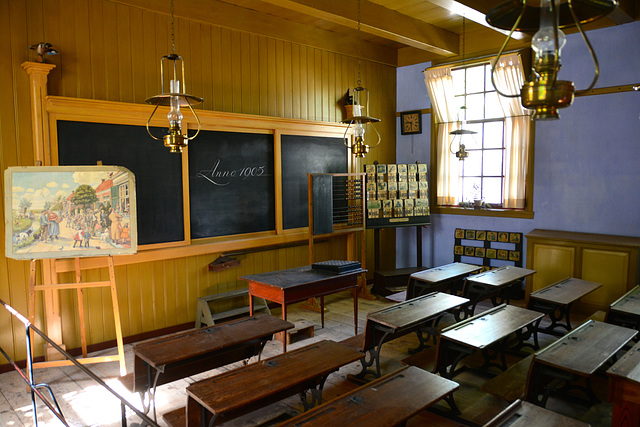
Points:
(112, 51)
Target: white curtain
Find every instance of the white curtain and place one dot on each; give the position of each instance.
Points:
(508, 78)
(440, 87)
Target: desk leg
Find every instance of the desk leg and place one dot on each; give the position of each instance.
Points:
(322, 311)
(284, 333)
(355, 308)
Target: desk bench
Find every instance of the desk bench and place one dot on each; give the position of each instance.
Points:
(525, 414)
(491, 285)
(242, 390)
(574, 357)
(556, 300)
(387, 401)
(420, 315)
(206, 316)
(625, 311)
(166, 359)
(488, 332)
(446, 277)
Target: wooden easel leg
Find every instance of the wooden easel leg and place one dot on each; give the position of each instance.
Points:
(116, 316)
(83, 330)
(31, 307)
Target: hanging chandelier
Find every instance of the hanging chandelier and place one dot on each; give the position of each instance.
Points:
(174, 98)
(544, 93)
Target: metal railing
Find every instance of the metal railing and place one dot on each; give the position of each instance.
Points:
(51, 402)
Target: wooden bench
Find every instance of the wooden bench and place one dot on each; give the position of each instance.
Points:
(387, 401)
(242, 390)
(510, 385)
(525, 414)
(169, 358)
(206, 315)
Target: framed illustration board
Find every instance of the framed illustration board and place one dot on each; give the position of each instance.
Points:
(69, 211)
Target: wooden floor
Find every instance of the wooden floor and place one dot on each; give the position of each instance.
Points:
(86, 404)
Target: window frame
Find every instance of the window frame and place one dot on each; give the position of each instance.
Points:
(525, 213)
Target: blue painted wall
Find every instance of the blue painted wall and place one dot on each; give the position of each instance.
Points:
(587, 164)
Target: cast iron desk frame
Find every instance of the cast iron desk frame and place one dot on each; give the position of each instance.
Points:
(387, 401)
(215, 346)
(299, 284)
(298, 371)
(491, 284)
(575, 356)
(420, 315)
(488, 332)
(556, 300)
(439, 278)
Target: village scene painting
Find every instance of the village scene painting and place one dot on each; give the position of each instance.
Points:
(69, 211)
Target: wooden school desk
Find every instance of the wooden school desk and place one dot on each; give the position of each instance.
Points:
(624, 389)
(299, 284)
(556, 300)
(525, 414)
(626, 310)
(574, 357)
(490, 284)
(242, 390)
(488, 332)
(439, 278)
(420, 315)
(387, 401)
(166, 359)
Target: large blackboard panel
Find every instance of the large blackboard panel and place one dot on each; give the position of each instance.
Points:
(302, 155)
(231, 184)
(158, 173)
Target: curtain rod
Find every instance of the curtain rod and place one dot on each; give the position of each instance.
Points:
(472, 61)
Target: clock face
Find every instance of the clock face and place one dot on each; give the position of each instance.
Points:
(411, 123)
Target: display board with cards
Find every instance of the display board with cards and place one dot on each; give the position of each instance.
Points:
(487, 246)
(397, 195)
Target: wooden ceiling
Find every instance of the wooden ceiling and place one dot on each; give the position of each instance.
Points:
(393, 32)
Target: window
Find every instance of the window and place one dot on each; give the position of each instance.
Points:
(496, 169)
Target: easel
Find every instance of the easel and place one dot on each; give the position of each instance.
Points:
(79, 286)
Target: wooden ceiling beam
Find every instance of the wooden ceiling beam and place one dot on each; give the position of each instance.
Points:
(227, 15)
(379, 21)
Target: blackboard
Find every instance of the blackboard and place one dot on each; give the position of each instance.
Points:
(158, 173)
(231, 183)
(302, 155)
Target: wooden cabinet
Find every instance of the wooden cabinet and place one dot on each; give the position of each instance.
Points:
(607, 259)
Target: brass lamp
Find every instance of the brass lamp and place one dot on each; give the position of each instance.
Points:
(175, 140)
(358, 121)
(544, 93)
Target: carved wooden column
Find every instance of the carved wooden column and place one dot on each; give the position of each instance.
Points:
(38, 73)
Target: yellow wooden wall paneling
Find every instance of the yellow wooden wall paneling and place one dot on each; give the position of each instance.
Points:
(112, 51)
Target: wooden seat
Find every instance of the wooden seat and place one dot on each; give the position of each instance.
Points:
(510, 385)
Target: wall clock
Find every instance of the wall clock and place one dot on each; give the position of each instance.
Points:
(410, 122)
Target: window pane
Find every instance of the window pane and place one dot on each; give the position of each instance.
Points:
(458, 81)
(475, 106)
(473, 141)
(492, 190)
(471, 189)
(475, 79)
(493, 134)
(473, 164)
(492, 163)
(493, 109)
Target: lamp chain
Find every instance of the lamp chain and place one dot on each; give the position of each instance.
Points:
(173, 34)
(359, 47)
(464, 28)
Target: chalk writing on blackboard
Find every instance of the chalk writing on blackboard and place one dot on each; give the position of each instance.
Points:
(218, 175)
